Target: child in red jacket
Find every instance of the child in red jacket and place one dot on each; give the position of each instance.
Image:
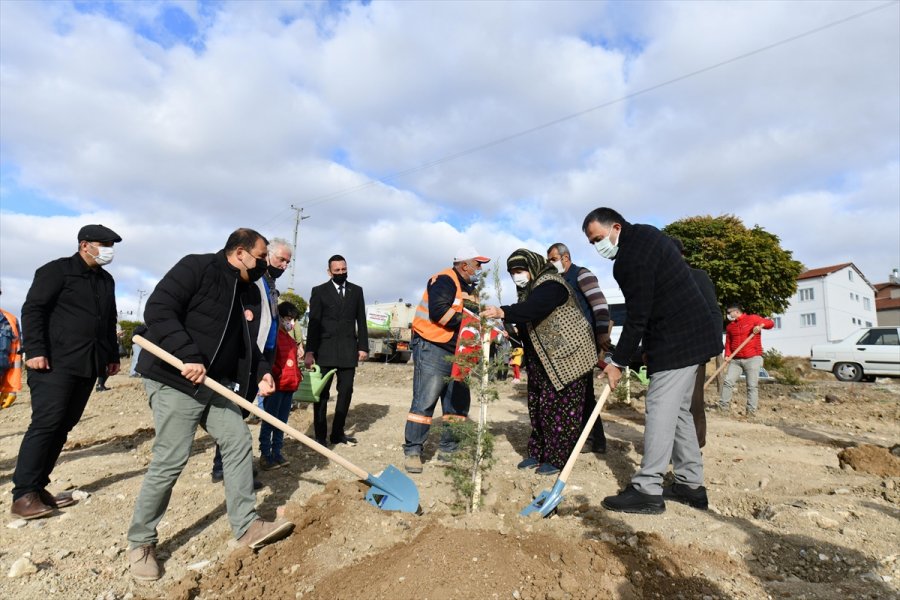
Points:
(286, 373)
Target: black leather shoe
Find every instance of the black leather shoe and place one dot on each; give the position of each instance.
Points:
(631, 500)
(217, 476)
(680, 492)
(349, 440)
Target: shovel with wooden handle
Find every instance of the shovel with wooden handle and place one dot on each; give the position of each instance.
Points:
(728, 360)
(548, 500)
(391, 490)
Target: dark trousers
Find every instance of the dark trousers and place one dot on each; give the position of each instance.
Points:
(344, 378)
(698, 405)
(590, 401)
(57, 403)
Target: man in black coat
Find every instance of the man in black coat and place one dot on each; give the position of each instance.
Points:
(668, 316)
(337, 338)
(206, 312)
(69, 330)
(708, 289)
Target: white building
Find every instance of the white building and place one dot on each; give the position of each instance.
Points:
(830, 304)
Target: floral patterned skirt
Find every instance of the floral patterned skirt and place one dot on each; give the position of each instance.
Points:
(556, 416)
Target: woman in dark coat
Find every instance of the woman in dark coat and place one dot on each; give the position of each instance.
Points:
(560, 355)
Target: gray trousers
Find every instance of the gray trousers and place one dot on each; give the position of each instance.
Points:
(176, 417)
(750, 368)
(669, 432)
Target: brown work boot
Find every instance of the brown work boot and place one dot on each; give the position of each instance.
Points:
(263, 532)
(143, 563)
(30, 506)
(413, 463)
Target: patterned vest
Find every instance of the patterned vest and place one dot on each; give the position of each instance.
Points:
(563, 341)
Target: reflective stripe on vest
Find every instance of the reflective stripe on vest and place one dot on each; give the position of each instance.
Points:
(422, 323)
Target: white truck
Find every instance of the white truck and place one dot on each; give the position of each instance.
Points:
(390, 331)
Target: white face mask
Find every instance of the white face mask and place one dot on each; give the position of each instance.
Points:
(287, 324)
(104, 256)
(558, 264)
(606, 248)
(520, 279)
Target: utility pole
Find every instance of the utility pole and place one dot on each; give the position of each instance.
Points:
(141, 294)
(297, 218)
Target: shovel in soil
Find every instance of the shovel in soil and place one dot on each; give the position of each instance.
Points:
(391, 490)
(547, 501)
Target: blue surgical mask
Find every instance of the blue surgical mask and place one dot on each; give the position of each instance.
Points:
(476, 278)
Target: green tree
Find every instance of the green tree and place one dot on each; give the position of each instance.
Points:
(746, 265)
(301, 305)
(128, 328)
(294, 299)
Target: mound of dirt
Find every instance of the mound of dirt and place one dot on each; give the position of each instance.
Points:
(871, 459)
(784, 521)
(343, 548)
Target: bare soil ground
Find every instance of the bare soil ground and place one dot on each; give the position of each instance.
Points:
(805, 503)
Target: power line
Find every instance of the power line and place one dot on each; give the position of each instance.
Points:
(347, 191)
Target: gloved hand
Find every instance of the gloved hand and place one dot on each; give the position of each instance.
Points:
(6, 399)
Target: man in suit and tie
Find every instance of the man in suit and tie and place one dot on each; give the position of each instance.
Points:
(337, 338)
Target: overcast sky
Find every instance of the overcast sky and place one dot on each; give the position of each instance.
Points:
(408, 129)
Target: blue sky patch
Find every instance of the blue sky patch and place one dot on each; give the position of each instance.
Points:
(27, 201)
(169, 26)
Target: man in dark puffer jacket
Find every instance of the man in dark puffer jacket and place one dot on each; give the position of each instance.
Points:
(205, 311)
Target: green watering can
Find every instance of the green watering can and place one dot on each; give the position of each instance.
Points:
(313, 383)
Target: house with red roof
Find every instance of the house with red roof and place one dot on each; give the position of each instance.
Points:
(830, 304)
(887, 300)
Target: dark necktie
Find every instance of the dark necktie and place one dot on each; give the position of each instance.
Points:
(341, 291)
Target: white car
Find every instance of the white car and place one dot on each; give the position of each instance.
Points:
(863, 355)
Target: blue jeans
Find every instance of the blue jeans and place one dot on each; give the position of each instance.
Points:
(136, 350)
(430, 382)
(271, 439)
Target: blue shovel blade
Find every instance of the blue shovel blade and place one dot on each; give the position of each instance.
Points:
(546, 501)
(393, 490)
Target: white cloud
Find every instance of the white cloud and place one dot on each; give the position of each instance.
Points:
(298, 103)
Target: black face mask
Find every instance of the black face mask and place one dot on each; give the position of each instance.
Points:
(256, 272)
(275, 272)
(340, 279)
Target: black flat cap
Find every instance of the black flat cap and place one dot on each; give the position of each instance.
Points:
(98, 233)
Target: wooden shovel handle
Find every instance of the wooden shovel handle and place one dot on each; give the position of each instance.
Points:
(250, 407)
(728, 359)
(570, 464)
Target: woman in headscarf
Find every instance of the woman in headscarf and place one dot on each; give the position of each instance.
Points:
(559, 357)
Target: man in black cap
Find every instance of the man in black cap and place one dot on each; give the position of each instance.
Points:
(69, 316)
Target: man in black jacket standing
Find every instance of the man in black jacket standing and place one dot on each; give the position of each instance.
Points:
(708, 289)
(206, 312)
(337, 338)
(668, 316)
(69, 330)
